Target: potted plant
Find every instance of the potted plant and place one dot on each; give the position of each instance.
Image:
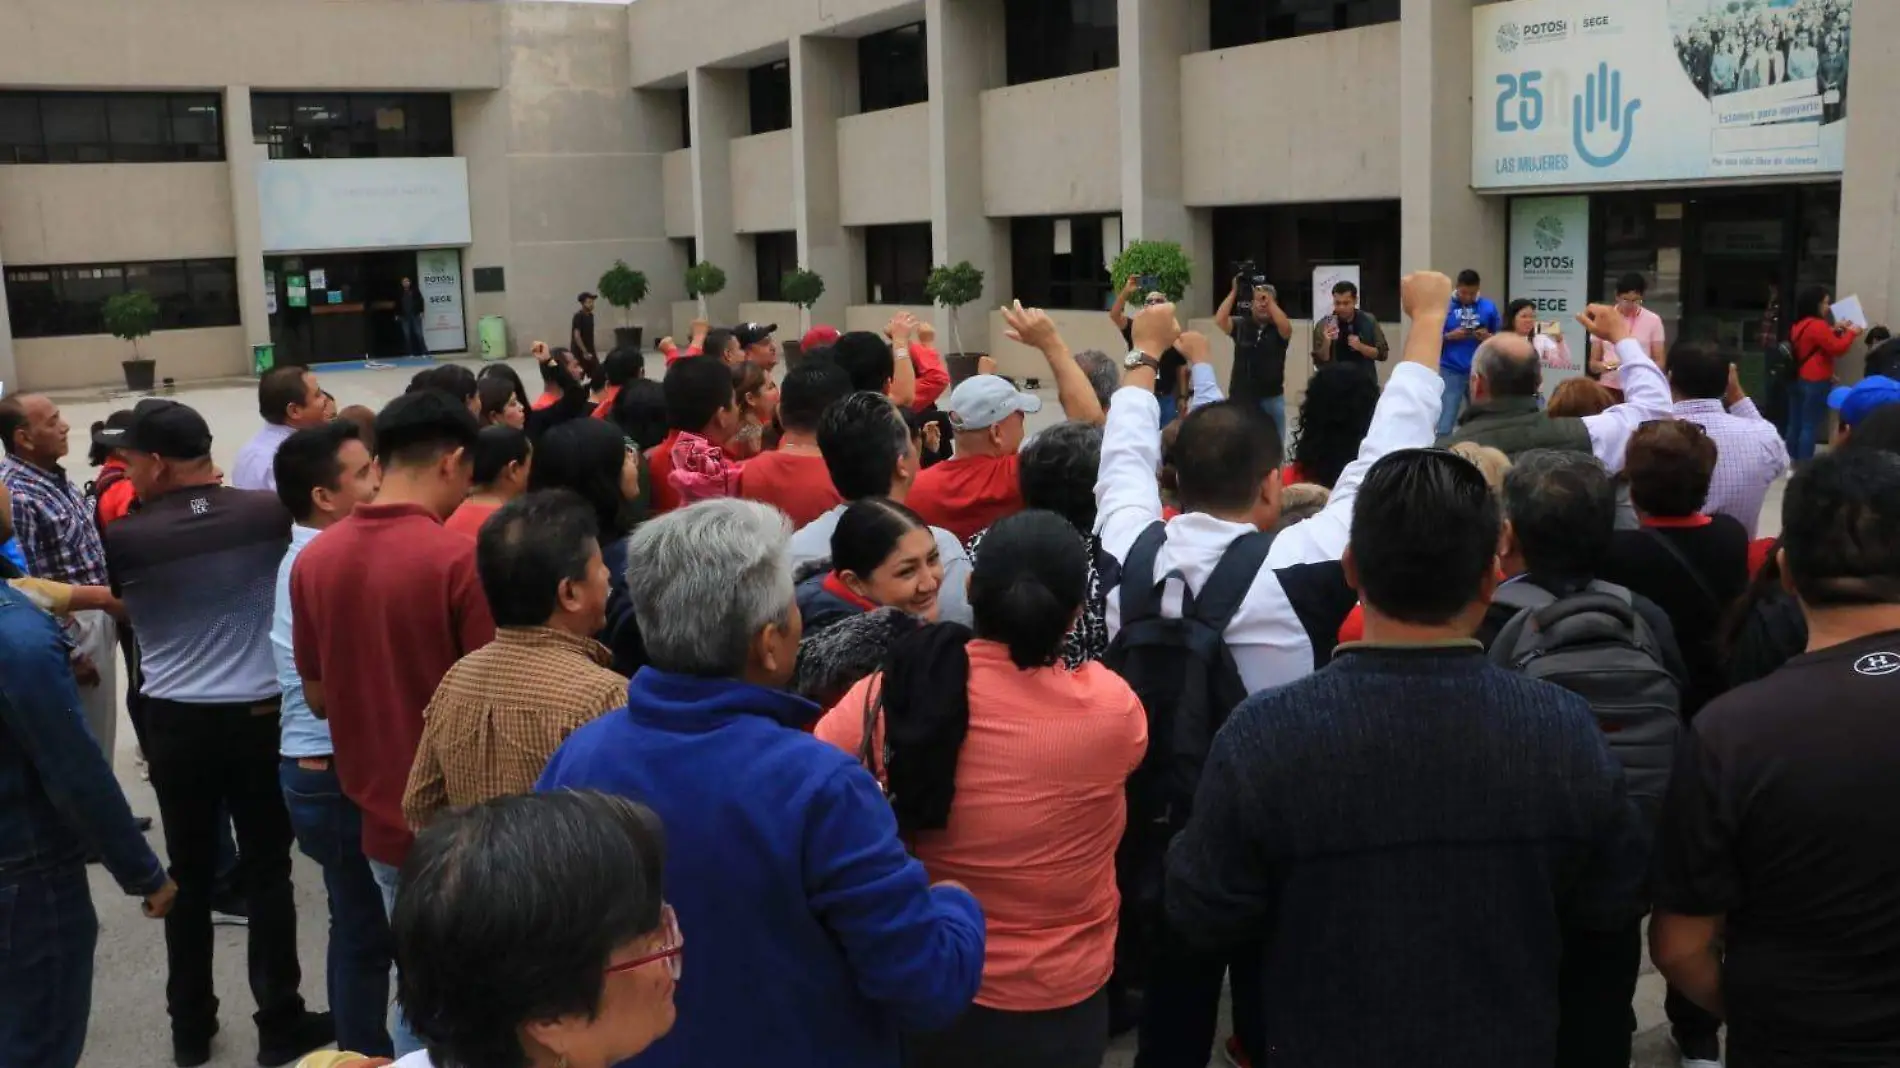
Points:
(803, 288)
(704, 280)
(623, 287)
(952, 286)
(132, 316)
(1162, 262)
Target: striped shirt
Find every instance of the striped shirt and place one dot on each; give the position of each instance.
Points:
(54, 525)
(1750, 456)
(501, 712)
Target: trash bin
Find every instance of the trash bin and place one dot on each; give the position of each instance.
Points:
(493, 331)
(263, 358)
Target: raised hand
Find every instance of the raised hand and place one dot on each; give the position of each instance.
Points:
(1425, 293)
(1605, 324)
(1193, 345)
(1029, 326)
(1155, 329)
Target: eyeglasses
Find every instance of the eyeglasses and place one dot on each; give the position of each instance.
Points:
(1155, 300)
(671, 950)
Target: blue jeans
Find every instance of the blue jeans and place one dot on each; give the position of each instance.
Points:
(1275, 407)
(1807, 414)
(386, 878)
(1170, 407)
(329, 831)
(47, 934)
(412, 339)
(1457, 388)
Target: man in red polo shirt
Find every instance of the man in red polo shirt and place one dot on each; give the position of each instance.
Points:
(980, 485)
(382, 605)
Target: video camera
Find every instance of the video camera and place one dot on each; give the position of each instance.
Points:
(1251, 277)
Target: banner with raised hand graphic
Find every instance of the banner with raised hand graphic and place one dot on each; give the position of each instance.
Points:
(1588, 92)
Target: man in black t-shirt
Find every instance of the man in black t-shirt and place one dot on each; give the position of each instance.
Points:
(1778, 905)
(1260, 343)
(581, 334)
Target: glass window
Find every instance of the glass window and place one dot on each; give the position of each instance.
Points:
(70, 300)
(1232, 23)
(686, 120)
(140, 128)
(75, 128)
(893, 69)
(197, 126)
(897, 261)
(777, 254)
(270, 123)
(1055, 38)
(431, 126)
(1287, 241)
(1063, 262)
(20, 138)
(361, 125)
(769, 89)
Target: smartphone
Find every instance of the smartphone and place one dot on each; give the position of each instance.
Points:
(1149, 283)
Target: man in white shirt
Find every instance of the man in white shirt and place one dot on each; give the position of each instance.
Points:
(290, 400)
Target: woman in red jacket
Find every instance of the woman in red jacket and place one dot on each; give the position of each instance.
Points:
(1817, 343)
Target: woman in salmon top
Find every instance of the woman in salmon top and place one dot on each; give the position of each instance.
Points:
(1006, 773)
(503, 460)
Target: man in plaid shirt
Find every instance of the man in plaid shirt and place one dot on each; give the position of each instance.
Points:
(1750, 453)
(56, 531)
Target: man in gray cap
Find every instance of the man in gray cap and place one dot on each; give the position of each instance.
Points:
(980, 484)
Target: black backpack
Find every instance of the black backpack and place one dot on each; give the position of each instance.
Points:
(1187, 681)
(1596, 645)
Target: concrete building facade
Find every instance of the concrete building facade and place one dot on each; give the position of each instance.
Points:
(868, 140)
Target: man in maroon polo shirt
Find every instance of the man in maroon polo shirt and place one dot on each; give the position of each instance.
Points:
(382, 605)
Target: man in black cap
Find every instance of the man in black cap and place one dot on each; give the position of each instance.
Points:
(581, 334)
(757, 344)
(196, 566)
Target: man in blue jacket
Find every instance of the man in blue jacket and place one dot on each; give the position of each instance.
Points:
(57, 799)
(1473, 319)
(813, 938)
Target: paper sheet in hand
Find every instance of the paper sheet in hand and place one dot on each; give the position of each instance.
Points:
(1848, 310)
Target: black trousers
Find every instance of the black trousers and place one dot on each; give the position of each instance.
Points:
(203, 758)
(1180, 1009)
(1596, 983)
(1075, 1037)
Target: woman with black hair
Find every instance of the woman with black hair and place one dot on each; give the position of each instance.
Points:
(881, 581)
(1817, 342)
(563, 395)
(503, 459)
(591, 458)
(531, 931)
(502, 402)
(1334, 417)
(1006, 773)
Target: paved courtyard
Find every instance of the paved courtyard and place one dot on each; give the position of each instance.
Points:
(129, 1028)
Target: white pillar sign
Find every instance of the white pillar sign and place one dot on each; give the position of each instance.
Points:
(439, 280)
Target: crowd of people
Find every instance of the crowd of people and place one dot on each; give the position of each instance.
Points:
(949, 743)
(1757, 45)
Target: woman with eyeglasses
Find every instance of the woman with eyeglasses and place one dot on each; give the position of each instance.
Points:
(531, 931)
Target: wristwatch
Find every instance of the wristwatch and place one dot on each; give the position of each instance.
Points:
(1138, 358)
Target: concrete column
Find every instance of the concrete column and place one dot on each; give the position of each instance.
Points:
(9, 375)
(824, 88)
(1154, 35)
(1444, 225)
(966, 58)
(717, 112)
(1870, 190)
(242, 155)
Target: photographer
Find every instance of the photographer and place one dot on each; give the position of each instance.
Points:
(1260, 342)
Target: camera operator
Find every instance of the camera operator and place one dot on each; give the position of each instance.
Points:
(1260, 342)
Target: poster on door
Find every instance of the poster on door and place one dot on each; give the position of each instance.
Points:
(1325, 278)
(1585, 92)
(439, 280)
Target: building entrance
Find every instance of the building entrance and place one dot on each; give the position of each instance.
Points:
(328, 307)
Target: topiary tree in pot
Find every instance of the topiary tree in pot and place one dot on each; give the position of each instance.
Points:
(804, 288)
(1162, 263)
(132, 316)
(704, 280)
(952, 286)
(623, 287)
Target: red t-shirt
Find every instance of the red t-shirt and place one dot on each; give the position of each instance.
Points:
(469, 517)
(661, 496)
(965, 495)
(382, 605)
(796, 483)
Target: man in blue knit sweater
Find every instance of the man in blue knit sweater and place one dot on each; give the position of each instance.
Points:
(1416, 837)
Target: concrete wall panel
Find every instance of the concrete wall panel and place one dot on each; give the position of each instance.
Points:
(762, 183)
(51, 363)
(1054, 147)
(676, 179)
(670, 37)
(203, 44)
(875, 185)
(121, 211)
(1344, 150)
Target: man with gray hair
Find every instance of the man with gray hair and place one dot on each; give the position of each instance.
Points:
(1507, 414)
(781, 848)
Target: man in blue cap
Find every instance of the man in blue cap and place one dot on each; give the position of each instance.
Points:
(1856, 402)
